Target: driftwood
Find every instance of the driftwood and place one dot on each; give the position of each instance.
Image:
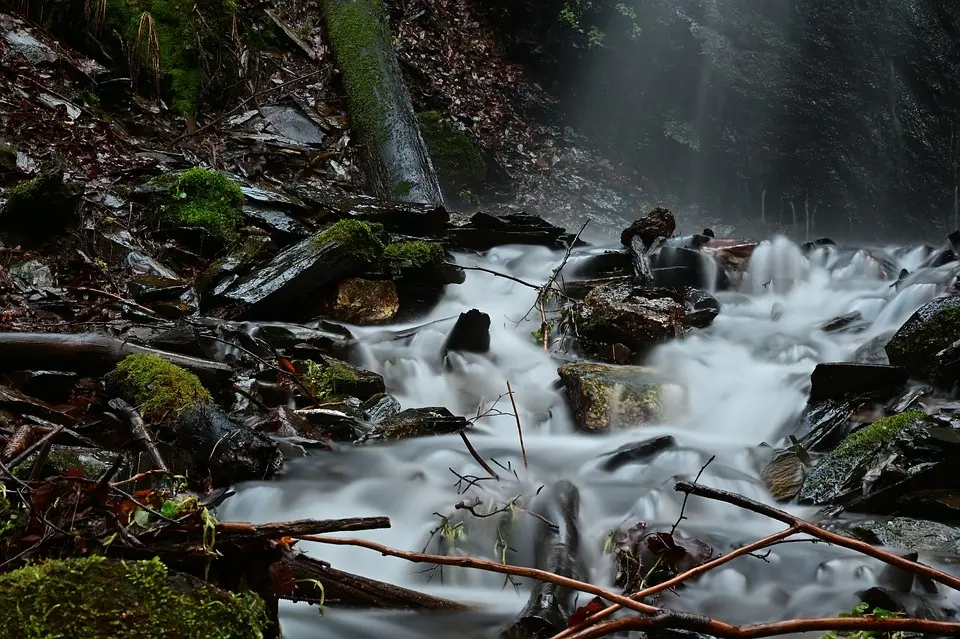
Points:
(381, 112)
(90, 354)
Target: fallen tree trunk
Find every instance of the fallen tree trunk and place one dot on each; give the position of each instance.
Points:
(90, 353)
(381, 112)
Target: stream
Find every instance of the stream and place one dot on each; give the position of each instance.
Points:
(740, 382)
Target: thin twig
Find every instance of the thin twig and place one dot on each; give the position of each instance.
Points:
(19, 459)
(542, 290)
(497, 273)
(114, 296)
(516, 414)
(476, 455)
(683, 506)
(804, 526)
(489, 566)
(139, 430)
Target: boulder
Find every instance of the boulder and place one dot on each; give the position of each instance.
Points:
(833, 380)
(332, 380)
(360, 301)
(471, 334)
(906, 534)
(605, 397)
(657, 223)
(917, 345)
(484, 231)
(620, 314)
(784, 473)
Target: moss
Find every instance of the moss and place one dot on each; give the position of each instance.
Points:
(204, 198)
(870, 438)
(8, 158)
(93, 597)
(418, 254)
(455, 157)
(170, 38)
(361, 239)
(331, 382)
(356, 29)
(160, 389)
(933, 334)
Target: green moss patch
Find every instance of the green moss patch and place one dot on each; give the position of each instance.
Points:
(456, 159)
(362, 239)
(878, 434)
(8, 158)
(93, 597)
(330, 383)
(172, 40)
(158, 388)
(417, 254)
(204, 198)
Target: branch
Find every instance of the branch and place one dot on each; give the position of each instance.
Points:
(516, 414)
(139, 430)
(712, 627)
(678, 579)
(815, 531)
(489, 566)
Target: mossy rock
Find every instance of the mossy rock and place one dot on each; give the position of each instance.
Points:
(363, 240)
(40, 207)
(422, 263)
(98, 598)
(839, 474)
(159, 389)
(934, 327)
(333, 380)
(201, 198)
(906, 534)
(8, 158)
(458, 163)
(418, 422)
(604, 397)
(172, 40)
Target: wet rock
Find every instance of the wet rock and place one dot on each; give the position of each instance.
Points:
(19, 41)
(418, 422)
(873, 351)
(833, 380)
(301, 270)
(826, 423)
(336, 425)
(380, 407)
(51, 386)
(605, 397)
(636, 318)
(360, 301)
(657, 223)
(784, 473)
(606, 264)
(701, 307)
(639, 452)
(40, 208)
(843, 322)
(332, 380)
(484, 231)
(33, 276)
(221, 274)
(422, 264)
(906, 533)
(292, 124)
(409, 218)
(679, 267)
(917, 344)
(470, 334)
(281, 227)
(67, 461)
(579, 289)
(839, 475)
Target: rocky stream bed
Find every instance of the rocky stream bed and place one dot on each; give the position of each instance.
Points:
(216, 349)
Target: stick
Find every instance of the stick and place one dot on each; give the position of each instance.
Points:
(519, 429)
(715, 628)
(542, 290)
(497, 273)
(114, 296)
(815, 531)
(476, 455)
(139, 430)
(678, 579)
(246, 530)
(19, 459)
(489, 566)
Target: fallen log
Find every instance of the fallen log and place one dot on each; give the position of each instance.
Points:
(379, 105)
(90, 354)
(349, 590)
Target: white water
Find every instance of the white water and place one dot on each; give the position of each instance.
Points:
(745, 379)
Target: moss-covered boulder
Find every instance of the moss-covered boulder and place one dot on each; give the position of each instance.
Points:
(418, 422)
(194, 436)
(42, 207)
(838, 475)
(932, 329)
(906, 534)
(619, 315)
(283, 288)
(423, 263)
(201, 198)
(604, 397)
(96, 598)
(458, 163)
(333, 380)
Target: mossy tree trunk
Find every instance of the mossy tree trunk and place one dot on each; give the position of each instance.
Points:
(381, 112)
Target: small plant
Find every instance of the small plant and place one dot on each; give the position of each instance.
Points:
(863, 609)
(207, 199)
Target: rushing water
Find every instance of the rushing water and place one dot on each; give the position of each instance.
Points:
(744, 382)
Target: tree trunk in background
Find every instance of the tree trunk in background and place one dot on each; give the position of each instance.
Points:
(381, 112)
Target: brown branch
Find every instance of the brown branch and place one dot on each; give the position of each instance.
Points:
(139, 430)
(245, 530)
(516, 414)
(476, 455)
(35, 446)
(712, 627)
(489, 566)
(678, 579)
(815, 531)
(114, 296)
